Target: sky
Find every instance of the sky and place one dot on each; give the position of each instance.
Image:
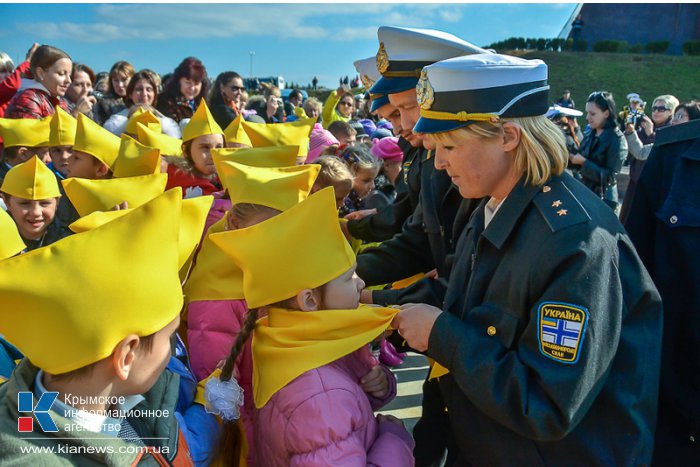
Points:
(297, 41)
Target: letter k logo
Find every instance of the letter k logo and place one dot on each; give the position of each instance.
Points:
(25, 403)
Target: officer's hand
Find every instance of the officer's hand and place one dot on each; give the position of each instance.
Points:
(415, 322)
(375, 383)
(366, 297)
(361, 214)
(577, 159)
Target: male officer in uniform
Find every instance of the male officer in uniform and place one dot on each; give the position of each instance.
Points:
(664, 224)
(551, 326)
(389, 219)
(427, 239)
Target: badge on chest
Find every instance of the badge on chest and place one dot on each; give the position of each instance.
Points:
(561, 329)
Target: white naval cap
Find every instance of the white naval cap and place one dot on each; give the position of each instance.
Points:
(403, 52)
(484, 87)
(367, 69)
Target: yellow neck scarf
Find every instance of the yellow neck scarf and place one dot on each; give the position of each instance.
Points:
(287, 343)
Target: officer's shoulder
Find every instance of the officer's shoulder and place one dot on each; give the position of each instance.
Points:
(677, 133)
(559, 206)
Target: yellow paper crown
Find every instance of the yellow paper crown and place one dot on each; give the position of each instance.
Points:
(92, 139)
(235, 133)
(194, 215)
(135, 159)
(11, 242)
(273, 156)
(278, 188)
(26, 132)
(102, 195)
(202, 123)
(308, 264)
(63, 127)
(144, 116)
(127, 273)
(296, 133)
(31, 180)
(168, 145)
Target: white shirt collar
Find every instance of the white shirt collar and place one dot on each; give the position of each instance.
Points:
(490, 210)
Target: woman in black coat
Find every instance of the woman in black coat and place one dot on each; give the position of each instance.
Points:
(603, 149)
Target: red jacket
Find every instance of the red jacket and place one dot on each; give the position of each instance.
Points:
(33, 101)
(191, 185)
(10, 85)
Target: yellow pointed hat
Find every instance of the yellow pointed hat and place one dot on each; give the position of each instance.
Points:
(127, 273)
(202, 123)
(135, 159)
(12, 242)
(92, 139)
(194, 215)
(235, 133)
(278, 188)
(31, 180)
(215, 276)
(27, 132)
(257, 250)
(102, 195)
(63, 127)
(168, 145)
(144, 116)
(296, 133)
(272, 156)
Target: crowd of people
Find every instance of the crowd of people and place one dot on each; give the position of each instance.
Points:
(192, 275)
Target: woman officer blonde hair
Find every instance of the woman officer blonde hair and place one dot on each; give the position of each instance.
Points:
(550, 330)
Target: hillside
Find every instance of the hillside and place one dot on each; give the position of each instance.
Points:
(647, 75)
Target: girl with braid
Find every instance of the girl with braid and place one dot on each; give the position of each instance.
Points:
(316, 383)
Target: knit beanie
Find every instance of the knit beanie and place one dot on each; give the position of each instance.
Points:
(387, 149)
(320, 140)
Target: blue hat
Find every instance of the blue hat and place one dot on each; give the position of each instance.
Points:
(485, 87)
(403, 52)
(378, 102)
(368, 125)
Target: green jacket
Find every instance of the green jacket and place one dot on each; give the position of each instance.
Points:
(329, 113)
(73, 447)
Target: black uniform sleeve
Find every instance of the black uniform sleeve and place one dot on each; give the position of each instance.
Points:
(495, 355)
(405, 255)
(430, 291)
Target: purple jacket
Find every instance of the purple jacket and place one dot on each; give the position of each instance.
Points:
(323, 417)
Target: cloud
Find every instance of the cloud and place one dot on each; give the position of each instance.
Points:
(284, 21)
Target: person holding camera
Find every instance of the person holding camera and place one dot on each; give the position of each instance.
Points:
(602, 150)
(79, 95)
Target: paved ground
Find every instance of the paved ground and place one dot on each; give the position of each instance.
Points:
(410, 377)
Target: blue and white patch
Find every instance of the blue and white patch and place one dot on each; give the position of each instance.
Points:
(562, 328)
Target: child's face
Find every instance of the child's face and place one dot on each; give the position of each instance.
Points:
(200, 152)
(342, 190)
(364, 181)
(148, 366)
(83, 165)
(60, 156)
(392, 169)
(32, 217)
(343, 293)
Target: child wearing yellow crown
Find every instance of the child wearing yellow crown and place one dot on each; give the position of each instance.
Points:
(22, 139)
(61, 140)
(195, 172)
(95, 359)
(94, 151)
(312, 367)
(216, 309)
(30, 192)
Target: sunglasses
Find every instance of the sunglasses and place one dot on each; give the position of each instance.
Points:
(661, 108)
(346, 103)
(237, 88)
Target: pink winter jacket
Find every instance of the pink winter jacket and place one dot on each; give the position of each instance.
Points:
(323, 418)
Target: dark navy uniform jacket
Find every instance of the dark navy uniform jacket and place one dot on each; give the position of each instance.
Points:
(551, 333)
(389, 220)
(427, 241)
(664, 224)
